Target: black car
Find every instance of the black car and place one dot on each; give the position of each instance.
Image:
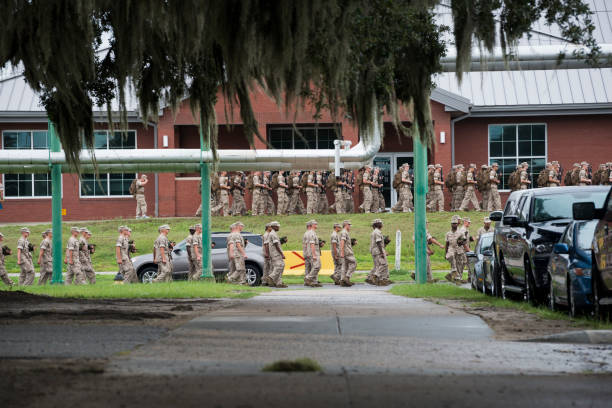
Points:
(525, 232)
(480, 264)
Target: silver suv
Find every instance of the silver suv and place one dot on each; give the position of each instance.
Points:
(147, 269)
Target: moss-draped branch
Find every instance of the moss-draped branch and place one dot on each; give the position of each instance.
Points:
(346, 56)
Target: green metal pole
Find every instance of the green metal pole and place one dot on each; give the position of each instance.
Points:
(420, 190)
(56, 207)
(205, 177)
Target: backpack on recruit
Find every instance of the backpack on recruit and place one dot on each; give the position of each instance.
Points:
(397, 180)
(133, 187)
(359, 179)
(331, 182)
(567, 180)
(214, 183)
(543, 177)
(304, 180)
(450, 180)
(274, 181)
(514, 180)
(249, 183)
(575, 177)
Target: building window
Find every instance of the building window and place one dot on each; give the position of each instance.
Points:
(26, 185)
(510, 145)
(304, 137)
(109, 184)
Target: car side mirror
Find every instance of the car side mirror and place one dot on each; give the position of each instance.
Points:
(511, 220)
(496, 216)
(583, 211)
(487, 252)
(561, 249)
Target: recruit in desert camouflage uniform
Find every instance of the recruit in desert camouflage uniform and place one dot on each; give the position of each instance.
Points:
(45, 257)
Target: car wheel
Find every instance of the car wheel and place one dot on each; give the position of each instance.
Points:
(572, 309)
(552, 305)
(253, 275)
(495, 281)
(148, 274)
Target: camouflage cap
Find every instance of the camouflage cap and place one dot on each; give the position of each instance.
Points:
(196, 226)
(48, 230)
(377, 221)
(464, 219)
(313, 222)
(484, 166)
(88, 232)
(584, 163)
(576, 165)
(239, 224)
(472, 166)
(527, 164)
(487, 220)
(431, 166)
(121, 228)
(308, 224)
(232, 226)
(346, 222)
(25, 229)
(337, 225)
(267, 226)
(555, 163)
(75, 229)
(438, 166)
(44, 234)
(128, 229)
(164, 227)
(455, 219)
(82, 229)
(275, 224)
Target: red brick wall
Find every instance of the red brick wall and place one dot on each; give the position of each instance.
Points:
(39, 210)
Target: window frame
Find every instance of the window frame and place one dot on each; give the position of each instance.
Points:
(517, 156)
(336, 128)
(31, 131)
(108, 179)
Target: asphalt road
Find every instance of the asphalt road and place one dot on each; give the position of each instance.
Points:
(376, 349)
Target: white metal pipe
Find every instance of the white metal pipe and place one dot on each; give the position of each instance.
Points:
(525, 57)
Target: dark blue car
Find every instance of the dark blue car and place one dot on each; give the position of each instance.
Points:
(569, 268)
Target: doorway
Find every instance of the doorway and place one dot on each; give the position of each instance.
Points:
(389, 163)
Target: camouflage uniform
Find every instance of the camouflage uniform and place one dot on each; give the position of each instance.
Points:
(141, 202)
(269, 206)
(295, 202)
(437, 196)
(381, 266)
(349, 263)
(367, 193)
(335, 238)
(223, 203)
(405, 195)
(314, 264)
(126, 268)
(375, 205)
(196, 244)
(238, 204)
(46, 262)
(323, 204)
(267, 261)
(26, 274)
(74, 270)
(459, 192)
(3, 275)
(164, 269)
(258, 202)
(276, 260)
(348, 197)
(524, 178)
(470, 193)
(85, 260)
(339, 200)
(281, 194)
(454, 255)
(237, 268)
(484, 170)
(311, 195)
(494, 199)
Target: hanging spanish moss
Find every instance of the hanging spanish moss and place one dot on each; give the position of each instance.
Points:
(346, 56)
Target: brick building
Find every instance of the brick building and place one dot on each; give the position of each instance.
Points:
(507, 117)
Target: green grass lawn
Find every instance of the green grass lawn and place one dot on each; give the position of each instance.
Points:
(449, 291)
(105, 288)
(293, 226)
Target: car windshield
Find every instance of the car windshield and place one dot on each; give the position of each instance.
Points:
(585, 231)
(559, 206)
(486, 241)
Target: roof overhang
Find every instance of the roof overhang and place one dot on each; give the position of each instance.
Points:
(542, 110)
(41, 117)
(451, 101)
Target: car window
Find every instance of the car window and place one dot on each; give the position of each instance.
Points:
(523, 208)
(486, 243)
(584, 234)
(510, 208)
(255, 240)
(559, 206)
(568, 235)
(220, 242)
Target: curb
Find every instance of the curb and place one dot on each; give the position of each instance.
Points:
(577, 337)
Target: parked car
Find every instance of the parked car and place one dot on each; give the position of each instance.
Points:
(480, 264)
(601, 246)
(147, 269)
(569, 268)
(531, 223)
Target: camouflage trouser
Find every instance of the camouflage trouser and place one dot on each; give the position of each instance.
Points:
(312, 276)
(312, 198)
(283, 201)
(199, 211)
(46, 272)
(458, 195)
(429, 274)
(256, 203)
(374, 205)
(494, 199)
(350, 203)
(238, 205)
(269, 206)
(164, 272)
(128, 272)
(382, 204)
(223, 203)
(337, 269)
(323, 206)
(349, 264)
(26, 274)
(237, 270)
(339, 203)
(457, 265)
(276, 274)
(405, 200)
(141, 205)
(485, 199)
(74, 273)
(381, 267)
(88, 272)
(470, 197)
(194, 275)
(266, 269)
(4, 276)
(437, 200)
(367, 199)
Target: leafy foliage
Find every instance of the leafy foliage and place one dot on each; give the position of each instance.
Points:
(350, 56)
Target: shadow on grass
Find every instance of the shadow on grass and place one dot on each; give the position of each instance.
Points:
(300, 365)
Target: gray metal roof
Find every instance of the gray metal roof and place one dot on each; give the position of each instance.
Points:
(558, 89)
